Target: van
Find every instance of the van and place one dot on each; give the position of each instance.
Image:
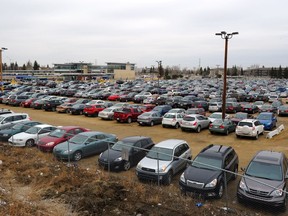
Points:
(8, 120)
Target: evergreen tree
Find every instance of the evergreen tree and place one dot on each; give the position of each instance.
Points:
(24, 67)
(36, 66)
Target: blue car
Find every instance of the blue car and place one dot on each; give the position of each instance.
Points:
(268, 119)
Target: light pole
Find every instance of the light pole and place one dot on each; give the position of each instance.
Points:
(226, 36)
(159, 75)
(1, 72)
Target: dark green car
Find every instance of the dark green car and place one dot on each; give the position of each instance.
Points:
(219, 126)
(83, 145)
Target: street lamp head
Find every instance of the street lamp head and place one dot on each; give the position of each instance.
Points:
(223, 32)
(4, 48)
(235, 33)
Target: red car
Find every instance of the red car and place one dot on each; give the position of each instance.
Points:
(93, 110)
(27, 103)
(62, 134)
(147, 107)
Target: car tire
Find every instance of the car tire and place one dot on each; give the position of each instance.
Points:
(227, 132)
(177, 125)
(53, 109)
(129, 120)
(152, 123)
(198, 129)
(284, 205)
(30, 143)
(81, 112)
(126, 165)
(220, 191)
(168, 180)
(257, 136)
(238, 136)
(77, 156)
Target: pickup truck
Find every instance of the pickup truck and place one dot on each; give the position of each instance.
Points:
(127, 114)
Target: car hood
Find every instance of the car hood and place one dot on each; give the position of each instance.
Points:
(112, 154)
(152, 163)
(48, 139)
(23, 136)
(253, 183)
(200, 174)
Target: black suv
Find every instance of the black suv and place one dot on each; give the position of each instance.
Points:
(206, 175)
(265, 180)
(134, 148)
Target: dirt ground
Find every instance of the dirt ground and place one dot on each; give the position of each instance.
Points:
(159, 200)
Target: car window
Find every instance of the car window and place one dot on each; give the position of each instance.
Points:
(8, 119)
(177, 152)
(100, 136)
(229, 158)
(144, 143)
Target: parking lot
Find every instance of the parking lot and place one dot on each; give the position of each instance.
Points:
(245, 147)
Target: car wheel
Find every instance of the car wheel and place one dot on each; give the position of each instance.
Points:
(30, 143)
(53, 109)
(77, 156)
(227, 132)
(220, 190)
(163, 126)
(234, 176)
(96, 114)
(284, 205)
(129, 120)
(169, 178)
(152, 123)
(127, 165)
(257, 136)
(177, 125)
(198, 129)
(238, 136)
(81, 112)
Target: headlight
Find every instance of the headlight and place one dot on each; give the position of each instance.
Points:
(50, 143)
(5, 135)
(118, 159)
(139, 166)
(182, 178)
(100, 155)
(277, 193)
(66, 151)
(162, 169)
(242, 185)
(212, 184)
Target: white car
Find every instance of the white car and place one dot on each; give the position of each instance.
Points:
(249, 128)
(31, 136)
(217, 115)
(108, 113)
(172, 120)
(215, 106)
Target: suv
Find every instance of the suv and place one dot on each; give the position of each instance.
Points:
(171, 156)
(134, 148)
(172, 120)
(206, 175)
(265, 180)
(8, 120)
(249, 128)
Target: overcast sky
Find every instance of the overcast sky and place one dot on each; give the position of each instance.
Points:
(178, 32)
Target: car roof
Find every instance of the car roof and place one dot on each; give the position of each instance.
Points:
(215, 150)
(248, 120)
(269, 157)
(170, 143)
(43, 125)
(13, 114)
(69, 127)
(134, 138)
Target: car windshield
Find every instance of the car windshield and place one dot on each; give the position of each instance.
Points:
(265, 170)
(57, 133)
(78, 139)
(204, 162)
(1, 118)
(33, 130)
(189, 118)
(216, 115)
(249, 124)
(170, 115)
(159, 153)
(18, 126)
(118, 146)
(263, 117)
(146, 114)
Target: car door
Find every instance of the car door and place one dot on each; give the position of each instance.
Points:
(43, 132)
(137, 152)
(179, 157)
(229, 163)
(89, 146)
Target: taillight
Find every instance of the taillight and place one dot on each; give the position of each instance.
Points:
(195, 123)
(221, 126)
(210, 125)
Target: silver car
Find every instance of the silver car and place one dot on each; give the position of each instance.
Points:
(194, 122)
(164, 160)
(108, 113)
(149, 118)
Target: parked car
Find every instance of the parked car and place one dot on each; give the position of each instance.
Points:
(217, 115)
(77, 109)
(50, 105)
(283, 110)
(240, 116)
(215, 106)
(194, 122)
(31, 136)
(224, 127)
(201, 104)
(250, 108)
(9, 119)
(149, 118)
(108, 113)
(233, 107)
(18, 100)
(162, 109)
(27, 103)
(268, 119)
(258, 104)
(5, 134)
(84, 144)
(172, 120)
(127, 114)
(207, 174)
(93, 110)
(134, 147)
(267, 108)
(261, 97)
(249, 128)
(177, 110)
(61, 134)
(265, 180)
(164, 160)
(199, 111)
